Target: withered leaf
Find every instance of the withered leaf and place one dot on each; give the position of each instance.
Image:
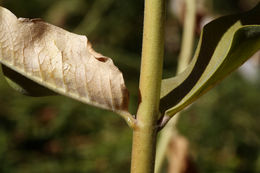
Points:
(61, 61)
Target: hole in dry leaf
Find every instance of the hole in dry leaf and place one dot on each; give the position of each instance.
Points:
(102, 59)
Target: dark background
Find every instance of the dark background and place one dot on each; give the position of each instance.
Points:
(59, 135)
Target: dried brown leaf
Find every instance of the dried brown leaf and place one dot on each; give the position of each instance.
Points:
(61, 61)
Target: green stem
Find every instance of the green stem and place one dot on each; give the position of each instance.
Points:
(188, 35)
(185, 55)
(129, 119)
(93, 18)
(144, 135)
(165, 137)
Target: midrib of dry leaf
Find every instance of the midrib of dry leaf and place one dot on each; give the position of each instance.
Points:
(61, 61)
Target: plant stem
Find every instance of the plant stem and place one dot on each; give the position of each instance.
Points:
(144, 135)
(129, 119)
(165, 137)
(185, 55)
(188, 35)
(93, 17)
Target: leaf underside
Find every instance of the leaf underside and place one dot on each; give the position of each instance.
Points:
(225, 44)
(39, 59)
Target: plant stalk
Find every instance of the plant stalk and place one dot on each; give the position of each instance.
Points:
(188, 35)
(185, 55)
(144, 135)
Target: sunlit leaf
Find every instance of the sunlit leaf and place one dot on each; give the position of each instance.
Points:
(60, 61)
(225, 44)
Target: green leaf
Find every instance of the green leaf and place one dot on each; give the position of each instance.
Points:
(225, 44)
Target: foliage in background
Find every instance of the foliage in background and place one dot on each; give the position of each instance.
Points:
(56, 134)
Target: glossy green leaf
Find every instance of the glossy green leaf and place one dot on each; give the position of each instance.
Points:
(225, 44)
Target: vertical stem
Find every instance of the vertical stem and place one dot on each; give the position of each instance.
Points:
(144, 136)
(188, 35)
(185, 55)
(165, 137)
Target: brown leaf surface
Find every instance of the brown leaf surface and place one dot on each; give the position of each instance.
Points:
(61, 61)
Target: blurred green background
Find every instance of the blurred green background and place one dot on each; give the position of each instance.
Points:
(58, 135)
